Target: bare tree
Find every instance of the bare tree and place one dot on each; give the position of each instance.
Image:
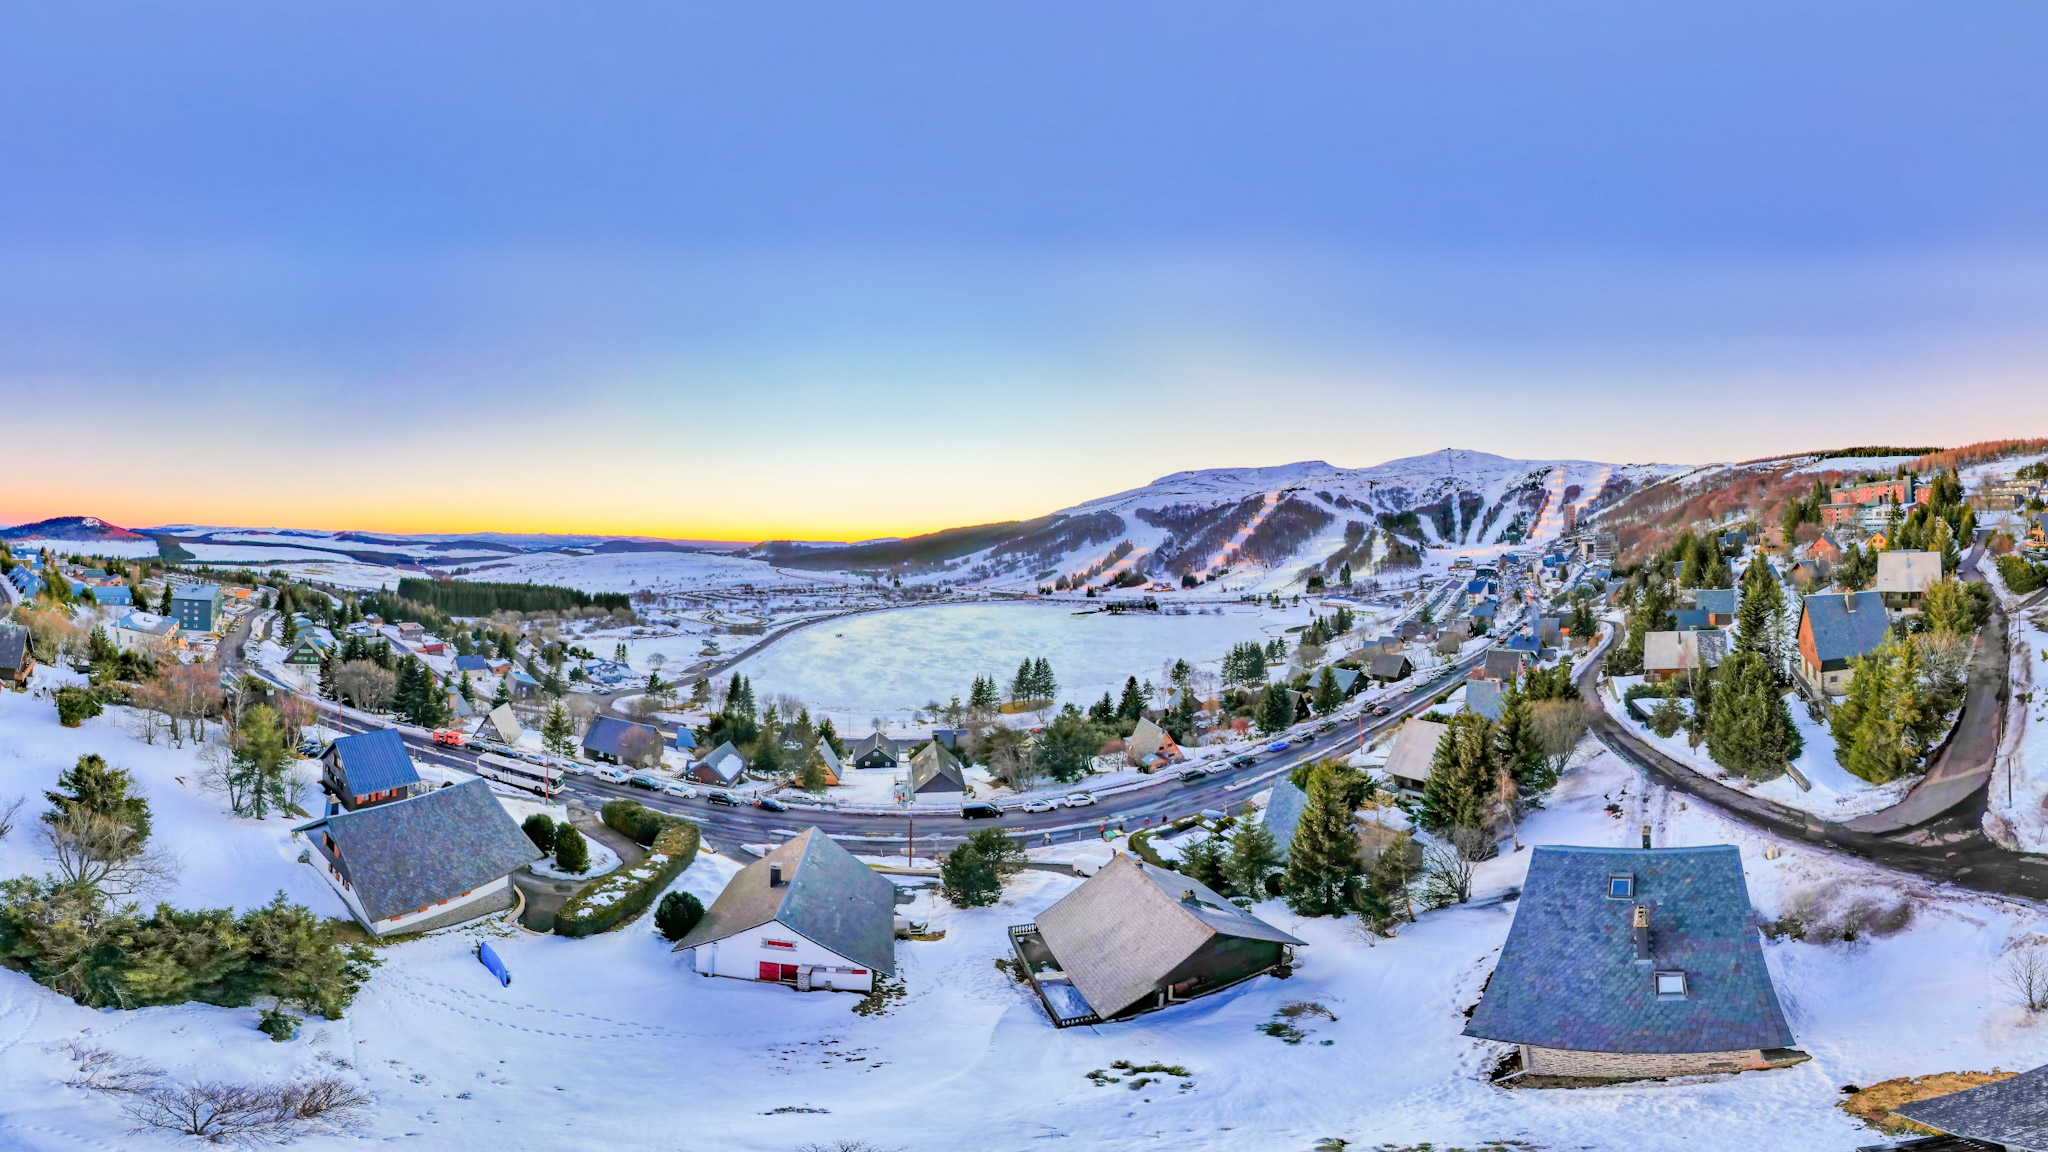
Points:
(191, 693)
(640, 747)
(2023, 972)
(105, 1070)
(1447, 866)
(1559, 726)
(249, 1114)
(92, 850)
(9, 812)
(365, 685)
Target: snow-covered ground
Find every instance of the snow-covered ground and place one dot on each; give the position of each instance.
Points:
(654, 571)
(1837, 794)
(599, 1043)
(890, 663)
(2018, 815)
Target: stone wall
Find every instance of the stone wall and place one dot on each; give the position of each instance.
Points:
(1632, 1065)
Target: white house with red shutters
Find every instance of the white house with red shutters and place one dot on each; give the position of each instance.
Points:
(807, 915)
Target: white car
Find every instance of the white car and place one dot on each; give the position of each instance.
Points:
(1038, 805)
(678, 788)
(609, 775)
(1080, 799)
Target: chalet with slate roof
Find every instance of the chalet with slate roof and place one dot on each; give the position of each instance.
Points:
(1485, 697)
(437, 859)
(1718, 604)
(722, 768)
(1502, 664)
(1669, 655)
(1414, 751)
(1388, 667)
(2010, 1114)
(15, 661)
(368, 769)
(1903, 578)
(615, 741)
(874, 751)
(1834, 628)
(1692, 619)
(1348, 680)
(1627, 963)
(1135, 939)
(934, 769)
(807, 915)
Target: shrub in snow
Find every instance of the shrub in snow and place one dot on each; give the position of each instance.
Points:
(249, 1113)
(969, 879)
(637, 820)
(679, 912)
(279, 1026)
(620, 897)
(76, 705)
(572, 852)
(541, 831)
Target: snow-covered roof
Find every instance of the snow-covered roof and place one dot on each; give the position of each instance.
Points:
(1415, 749)
(1131, 925)
(1569, 975)
(1907, 573)
(826, 896)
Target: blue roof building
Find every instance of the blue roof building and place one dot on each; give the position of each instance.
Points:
(1834, 628)
(686, 740)
(368, 769)
(621, 741)
(1630, 963)
(1283, 813)
(113, 595)
(1691, 620)
(1484, 697)
(1718, 604)
(195, 606)
(25, 580)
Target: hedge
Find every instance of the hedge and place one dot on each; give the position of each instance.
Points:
(620, 897)
(638, 821)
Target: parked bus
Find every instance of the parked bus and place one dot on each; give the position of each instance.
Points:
(543, 780)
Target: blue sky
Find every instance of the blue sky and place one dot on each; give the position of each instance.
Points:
(775, 269)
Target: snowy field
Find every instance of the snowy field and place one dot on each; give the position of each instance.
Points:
(651, 571)
(612, 1042)
(888, 663)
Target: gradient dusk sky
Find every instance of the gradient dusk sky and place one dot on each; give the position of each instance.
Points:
(740, 271)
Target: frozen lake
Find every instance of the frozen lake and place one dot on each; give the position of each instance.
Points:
(889, 663)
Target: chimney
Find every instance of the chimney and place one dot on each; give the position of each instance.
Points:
(1641, 933)
(1187, 896)
(775, 875)
(1646, 835)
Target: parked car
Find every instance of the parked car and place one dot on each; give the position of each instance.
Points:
(770, 804)
(1191, 775)
(724, 798)
(1278, 746)
(1036, 804)
(980, 810)
(609, 775)
(1079, 799)
(678, 788)
(642, 780)
(1244, 761)
(448, 736)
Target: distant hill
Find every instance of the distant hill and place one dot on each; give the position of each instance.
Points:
(82, 529)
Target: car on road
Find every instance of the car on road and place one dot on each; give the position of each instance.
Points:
(1381, 710)
(1192, 775)
(1038, 804)
(1326, 726)
(449, 737)
(1244, 761)
(642, 780)
(609, 775)
(678, 788)
(724, 798)
(1278, 746)
(1079, 799)
(980, 810)
(770, 804)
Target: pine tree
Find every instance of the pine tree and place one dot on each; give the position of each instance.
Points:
(1327, 696)
(1254, 859)
(1749, 727)
(467, 690)
(677, 913)
(1878, 726)
(1462, 774)
(1759, 617)
(1044, 684)
(557, 734)
(829, 735)
(1022, 683)
(815, 777)
(1205, 864)
(90, 788)
(572, 851)
(1322, 860)
(968, 880)
(503, 695)
(1276, 711)
(291, 630)
(1131, 705)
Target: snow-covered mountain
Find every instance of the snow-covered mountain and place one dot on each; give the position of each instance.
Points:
(1297, 517)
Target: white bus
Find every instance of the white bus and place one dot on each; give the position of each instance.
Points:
(543, 780)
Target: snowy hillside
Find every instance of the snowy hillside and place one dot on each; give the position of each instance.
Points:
(1291, 519)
